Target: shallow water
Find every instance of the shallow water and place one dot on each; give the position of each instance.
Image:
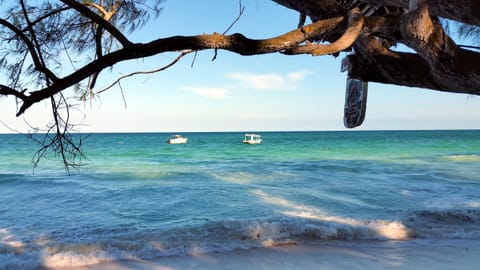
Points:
(138, 197)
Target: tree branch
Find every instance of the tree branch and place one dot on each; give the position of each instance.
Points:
(117, 81)
(235, 43)
(428, 39)
(462, 75)
(355, 24)
(241, 9)
(36, 47)
(99, 20)
(316, 10)
(465, 11)
(372, 62)
(31, 48)
(7, 91)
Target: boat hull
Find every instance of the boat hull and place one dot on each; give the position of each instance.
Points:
(177, 141)
(252, 142)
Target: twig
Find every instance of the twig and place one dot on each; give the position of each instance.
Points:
(241, 9)
(240, 13)
(123, 95)
(194, 58)
(145, 72)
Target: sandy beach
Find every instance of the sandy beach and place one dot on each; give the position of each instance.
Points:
(436, 254)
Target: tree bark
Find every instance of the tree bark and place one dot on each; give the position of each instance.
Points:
(355, 24)
(315, 9)
(465, 11)
(372, 62)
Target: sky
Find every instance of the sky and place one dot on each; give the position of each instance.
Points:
(270, 92)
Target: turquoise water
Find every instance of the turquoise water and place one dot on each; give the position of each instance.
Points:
(137, 197)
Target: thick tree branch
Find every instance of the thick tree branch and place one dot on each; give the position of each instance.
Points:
(465, 11)
(7, 91)
(444, 57)
(355, 24)
(316, 10)
(372, 62)
(428, 39)
(407, 69)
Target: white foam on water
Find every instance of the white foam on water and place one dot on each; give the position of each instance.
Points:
(359, 229)
(394, 230)
(282, 202)
(462, 158)
(473, 204)
(72, 259)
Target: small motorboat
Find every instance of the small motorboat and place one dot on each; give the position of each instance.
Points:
(252, 139)
(177, 139)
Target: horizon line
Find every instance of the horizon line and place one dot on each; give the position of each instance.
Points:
(250, 131)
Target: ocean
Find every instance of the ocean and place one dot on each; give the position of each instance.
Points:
(137, 197)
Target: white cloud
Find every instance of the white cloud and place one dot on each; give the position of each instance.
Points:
(298, 75)
(208, 92)
(258, 81)
(270, 81)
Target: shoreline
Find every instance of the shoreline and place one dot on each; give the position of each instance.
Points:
(424, 254)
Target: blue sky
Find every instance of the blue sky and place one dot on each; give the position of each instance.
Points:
(239, 93)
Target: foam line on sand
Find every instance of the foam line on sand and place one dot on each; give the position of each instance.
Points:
(434, 254)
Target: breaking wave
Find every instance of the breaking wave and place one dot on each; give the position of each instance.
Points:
(234, 235)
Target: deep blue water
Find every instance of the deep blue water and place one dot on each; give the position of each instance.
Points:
(138, 197)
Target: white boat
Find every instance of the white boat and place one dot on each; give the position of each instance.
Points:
(252, 139)
(177, 139)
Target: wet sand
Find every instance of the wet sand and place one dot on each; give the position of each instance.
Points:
(434, 254)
